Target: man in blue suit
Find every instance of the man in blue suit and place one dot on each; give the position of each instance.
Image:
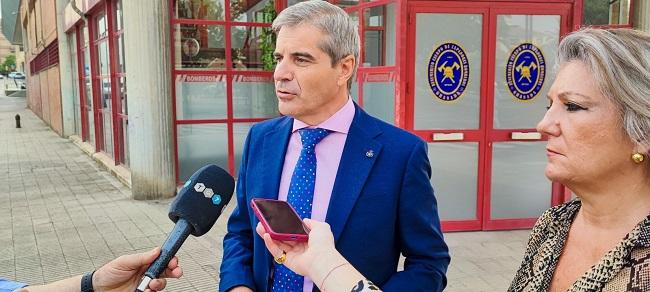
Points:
(333, 162)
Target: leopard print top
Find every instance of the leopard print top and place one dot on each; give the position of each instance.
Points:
(624, 268)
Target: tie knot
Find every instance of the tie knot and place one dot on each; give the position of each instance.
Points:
(311, 137)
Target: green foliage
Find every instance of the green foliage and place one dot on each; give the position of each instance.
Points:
(595, 12)
(200, 9)
(8, 65)
(267, 38)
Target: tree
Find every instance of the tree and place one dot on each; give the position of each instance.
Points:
(267, 38)
(8, 65)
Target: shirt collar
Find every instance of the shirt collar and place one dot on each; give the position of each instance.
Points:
(338, 122)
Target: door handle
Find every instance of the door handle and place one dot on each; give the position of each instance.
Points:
(526, 136)
(448, 136)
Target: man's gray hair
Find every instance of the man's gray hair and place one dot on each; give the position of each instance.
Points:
(619, 60)
(341, 34)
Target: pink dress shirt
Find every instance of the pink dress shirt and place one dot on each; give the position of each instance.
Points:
(328, 157)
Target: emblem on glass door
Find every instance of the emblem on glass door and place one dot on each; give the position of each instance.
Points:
(525, 71)
(448, 72)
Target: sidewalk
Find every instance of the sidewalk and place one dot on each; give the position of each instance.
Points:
(64, 216)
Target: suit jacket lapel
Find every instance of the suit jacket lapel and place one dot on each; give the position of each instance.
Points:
(359, 155)
(275, 148)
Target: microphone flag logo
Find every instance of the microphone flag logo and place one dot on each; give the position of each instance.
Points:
(208, 193)
(199, 187)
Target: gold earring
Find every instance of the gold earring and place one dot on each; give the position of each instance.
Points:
(638, 158)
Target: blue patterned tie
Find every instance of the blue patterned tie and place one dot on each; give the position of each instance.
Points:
(300, 196)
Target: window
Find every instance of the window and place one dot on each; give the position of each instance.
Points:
(199, 9)
(101, 81)
(374, 87)
(118, 77)
(200, 46)
(222, 70)
(74, 74)
(85, 86)
(608, 13)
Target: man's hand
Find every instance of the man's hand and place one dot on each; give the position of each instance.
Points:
(125, 273)
(121, 274)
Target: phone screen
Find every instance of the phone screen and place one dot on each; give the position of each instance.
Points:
(280, 217)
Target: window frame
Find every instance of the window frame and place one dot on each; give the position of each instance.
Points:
(580, 7)
(228, 73)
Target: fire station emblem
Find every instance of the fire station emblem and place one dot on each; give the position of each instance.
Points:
(448, 72)
(525, 71)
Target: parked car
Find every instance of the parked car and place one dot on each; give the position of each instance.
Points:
(16, 75)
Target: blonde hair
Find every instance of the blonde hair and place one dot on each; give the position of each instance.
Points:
(619, 60)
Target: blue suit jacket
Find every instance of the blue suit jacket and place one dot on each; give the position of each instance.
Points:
(380, 206)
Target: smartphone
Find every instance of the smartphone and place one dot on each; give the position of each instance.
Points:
(280, 220)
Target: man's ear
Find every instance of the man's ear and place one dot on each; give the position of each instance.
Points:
(346, 70)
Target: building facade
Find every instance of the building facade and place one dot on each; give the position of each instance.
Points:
(156, 89)
(40, 42)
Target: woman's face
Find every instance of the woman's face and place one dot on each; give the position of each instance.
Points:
(586, 140)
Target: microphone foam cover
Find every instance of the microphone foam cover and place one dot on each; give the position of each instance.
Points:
(202, 198)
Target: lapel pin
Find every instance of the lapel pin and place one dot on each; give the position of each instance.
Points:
(370, 153)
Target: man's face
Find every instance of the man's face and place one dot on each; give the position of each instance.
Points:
(307, 86)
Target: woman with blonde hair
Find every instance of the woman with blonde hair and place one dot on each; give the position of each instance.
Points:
(598, 128)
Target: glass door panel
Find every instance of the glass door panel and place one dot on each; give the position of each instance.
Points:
(379, 95)
(525, 47)
(523, 73)
(454, 178)
(447, 71)
(519, 187)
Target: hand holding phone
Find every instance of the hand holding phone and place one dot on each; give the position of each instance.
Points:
(280, 220)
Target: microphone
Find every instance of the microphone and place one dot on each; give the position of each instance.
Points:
(196, 208)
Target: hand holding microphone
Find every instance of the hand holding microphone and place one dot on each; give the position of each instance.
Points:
(195, 210)
(120, 274)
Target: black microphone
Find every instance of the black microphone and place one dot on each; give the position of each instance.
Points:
(195, 209)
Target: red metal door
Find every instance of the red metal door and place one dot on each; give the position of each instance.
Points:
(482, 141)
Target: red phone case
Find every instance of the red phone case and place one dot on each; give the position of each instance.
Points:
(277, 235)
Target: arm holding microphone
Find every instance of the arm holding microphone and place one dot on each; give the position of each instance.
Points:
(121, 274)
(318, 259)
(195, 210)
